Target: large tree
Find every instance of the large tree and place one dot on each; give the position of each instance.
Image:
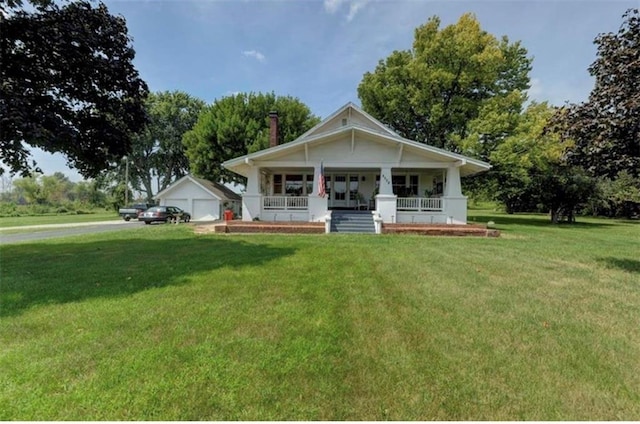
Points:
(606, 128)
(157, 152)
(68, 84)
(432, 92)
(531, 170)
(236, 125)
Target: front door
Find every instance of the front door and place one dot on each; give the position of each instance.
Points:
(339, 197)
(343, 192)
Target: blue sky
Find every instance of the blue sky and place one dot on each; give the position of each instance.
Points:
(318, 50)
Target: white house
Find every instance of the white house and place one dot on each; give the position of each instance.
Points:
(364, 165)
(203, 199)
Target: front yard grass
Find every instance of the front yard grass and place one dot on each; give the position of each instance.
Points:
(10, 222)
(156, 323)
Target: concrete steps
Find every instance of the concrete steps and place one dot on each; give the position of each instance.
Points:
(352, 222)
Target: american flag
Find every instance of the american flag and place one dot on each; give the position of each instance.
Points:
(322, 190)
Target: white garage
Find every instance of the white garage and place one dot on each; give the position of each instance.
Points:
(203, 199)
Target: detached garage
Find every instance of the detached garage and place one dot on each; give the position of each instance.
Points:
(203, 199)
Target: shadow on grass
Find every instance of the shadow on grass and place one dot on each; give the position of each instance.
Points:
(629, 265)
(39, 273)
(533, 221)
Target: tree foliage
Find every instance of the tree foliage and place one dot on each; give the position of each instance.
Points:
(68, 84)
(431, 93)
(616, 197)
(54, 191)
(606, 128)
(531, 171)
(157, 152)
(236, 125)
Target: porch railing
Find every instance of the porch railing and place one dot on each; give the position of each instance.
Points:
(419, 204)
(285, 203)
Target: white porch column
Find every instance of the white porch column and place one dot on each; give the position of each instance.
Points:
(455, 203)
(386, 186)
(318, 206)
(386, 201)
(316, 179)
(452, 187)
(252, 199)
(253, 180)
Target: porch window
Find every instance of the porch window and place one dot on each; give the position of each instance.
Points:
(353, 187)
(277, 184)
(309, 184)
(292, 184)
(340, 187)
(405, 185)
(398, 182)
(413, 185)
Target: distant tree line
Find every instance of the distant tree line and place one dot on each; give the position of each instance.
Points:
(42, 194)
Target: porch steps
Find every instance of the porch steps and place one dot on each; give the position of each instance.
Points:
(352, 222)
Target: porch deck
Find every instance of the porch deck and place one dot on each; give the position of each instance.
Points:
(237, 227)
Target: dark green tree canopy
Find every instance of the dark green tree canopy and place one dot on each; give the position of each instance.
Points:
(606, 128)
(157, 152)
(236, 125)
(68, 85)
(433, 91)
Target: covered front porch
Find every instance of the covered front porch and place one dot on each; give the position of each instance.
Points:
(352, 161)
(392, 195)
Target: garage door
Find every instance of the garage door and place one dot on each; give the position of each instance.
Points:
(205, 209)
(183, 204)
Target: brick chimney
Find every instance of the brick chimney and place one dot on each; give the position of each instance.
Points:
(273, 129)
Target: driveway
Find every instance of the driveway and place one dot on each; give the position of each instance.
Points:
(41, 232)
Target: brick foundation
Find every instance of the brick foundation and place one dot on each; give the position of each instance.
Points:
(440, 230)
(238, 227)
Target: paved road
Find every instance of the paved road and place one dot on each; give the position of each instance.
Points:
(62, 230)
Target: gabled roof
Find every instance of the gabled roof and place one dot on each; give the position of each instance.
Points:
(362, 124)
(215, 189)
(349, 107)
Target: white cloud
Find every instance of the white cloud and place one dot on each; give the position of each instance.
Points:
(332, 6)
(255, 54)
(355, 7)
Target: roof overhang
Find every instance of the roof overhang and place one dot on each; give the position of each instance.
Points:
(242, 164)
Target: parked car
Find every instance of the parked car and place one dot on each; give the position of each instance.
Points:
(133, 211)
(164, 214)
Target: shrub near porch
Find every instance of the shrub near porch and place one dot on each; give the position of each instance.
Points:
(540, 324)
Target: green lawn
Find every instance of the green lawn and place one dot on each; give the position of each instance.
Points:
(21, 221)
(156, 323)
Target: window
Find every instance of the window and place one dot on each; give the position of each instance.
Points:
(398, 182)
(340, 187)
(413, 185)
(277, 184)
(309, 184)
(293, 185)
(405, 185)
(353, 187)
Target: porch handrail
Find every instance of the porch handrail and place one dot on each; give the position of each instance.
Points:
(285, 202)
(419, 204)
